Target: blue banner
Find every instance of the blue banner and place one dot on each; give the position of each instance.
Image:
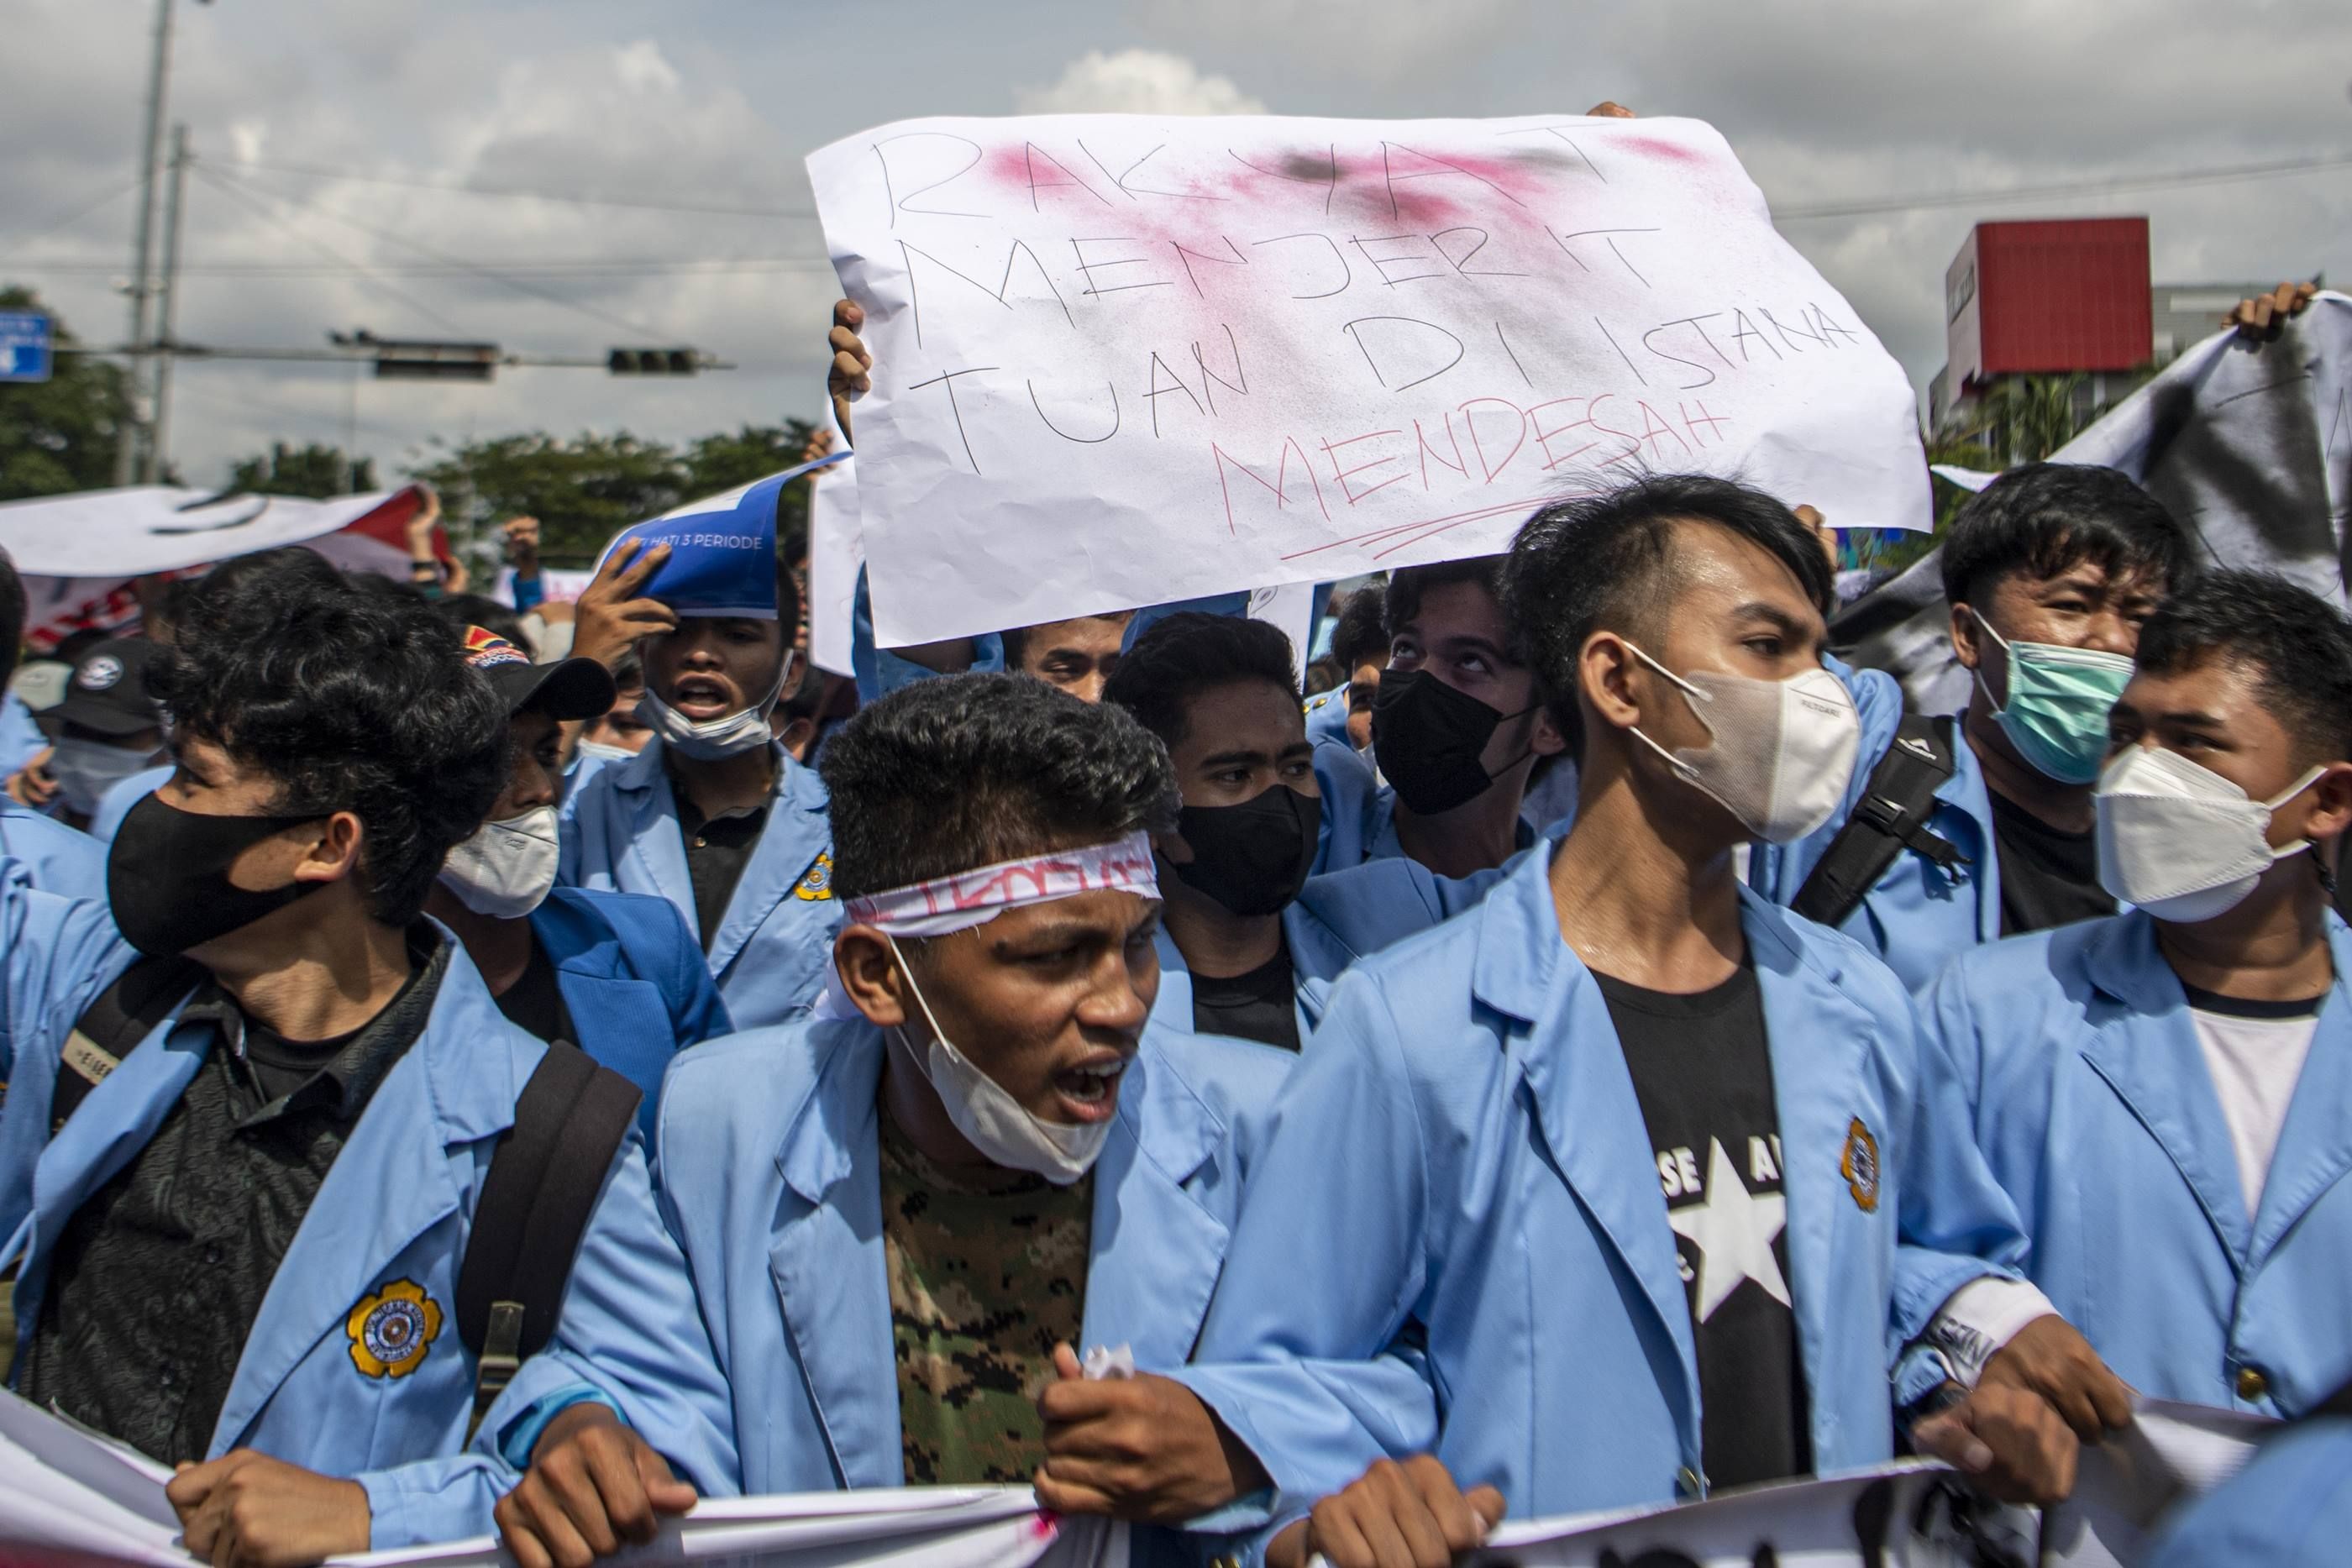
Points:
(722, 558)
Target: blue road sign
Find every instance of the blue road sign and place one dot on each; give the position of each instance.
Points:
(24, 346)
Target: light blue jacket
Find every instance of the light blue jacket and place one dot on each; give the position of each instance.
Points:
(395, 1209)
(57, 859)
(2290, 1507)
(771, 1177)
(1918, 916)
(1459, 1161)
(771, 954)
(120, 797)
(632, 980)
(21, 739)
(2093, 1102)
(59, 955)
(1326, 716)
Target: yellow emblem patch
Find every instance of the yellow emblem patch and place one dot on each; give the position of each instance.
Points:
(1859, 1165)
(391, 1330)
(818, 883)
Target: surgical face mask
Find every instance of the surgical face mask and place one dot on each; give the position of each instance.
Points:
(167, 876)
(86, 769)
(1783, 750)
(996, 1124)
(1252, 858)
(1431, 741)
(505, 870)
(2180, 842)
(602, 751)
(2056, 716)
(731, 735)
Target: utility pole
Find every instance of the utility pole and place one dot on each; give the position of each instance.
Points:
(143, 244)
(159, 444)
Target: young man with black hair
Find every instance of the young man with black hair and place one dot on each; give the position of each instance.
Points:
(711, 813)
(2166, 1094)
(907, 1214)
(1635, 1160)
(1457, 727)
(1360, 647)
(616, 974)
(2050, 572)
(57, 858)
(244, 1240)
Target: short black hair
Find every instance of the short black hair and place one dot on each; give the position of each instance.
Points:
(2299, 643)
(628, 668)
(1182, 655)
(1400, 605)
(464, 610)
(1578, 562)
(302, 563)
(12, 617)
(2048, 517)
(1361, 635)
(955, 772)
(354, 700)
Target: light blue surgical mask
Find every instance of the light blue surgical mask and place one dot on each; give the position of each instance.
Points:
(2059, 699)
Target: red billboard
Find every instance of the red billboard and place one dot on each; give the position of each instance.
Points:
(2049, 296)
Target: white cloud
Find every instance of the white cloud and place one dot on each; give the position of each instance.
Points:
(1381, 41)
(1137, 81)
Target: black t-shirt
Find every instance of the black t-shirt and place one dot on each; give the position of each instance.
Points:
(1703, 1074)
(2047, 877)
(1261, 1004)
(534, 1003)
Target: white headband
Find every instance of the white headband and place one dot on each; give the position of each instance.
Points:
(971, 898)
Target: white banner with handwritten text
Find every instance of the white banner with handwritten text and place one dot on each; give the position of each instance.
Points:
(1123, 359)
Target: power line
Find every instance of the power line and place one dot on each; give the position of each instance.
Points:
(255, 204)
(74, 215)
(480, 188)
(389, 237)
(573, 267)
(2098, 187)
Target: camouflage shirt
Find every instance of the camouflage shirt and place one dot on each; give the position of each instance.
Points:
(987, 1275)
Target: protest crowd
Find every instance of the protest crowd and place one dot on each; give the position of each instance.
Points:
(477, 1068)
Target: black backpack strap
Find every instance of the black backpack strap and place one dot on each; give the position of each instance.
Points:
(123, 1015)
(1891, 816)
(543, 1181)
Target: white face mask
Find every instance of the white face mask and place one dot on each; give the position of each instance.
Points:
(1783, 750)
(603, 751)
(2180, 842)
(87, 769)
(729, 735)
(996, 1124)
(505, 870)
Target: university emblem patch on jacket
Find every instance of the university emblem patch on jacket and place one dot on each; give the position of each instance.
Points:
(391, 1330)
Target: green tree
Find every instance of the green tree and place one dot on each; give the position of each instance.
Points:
(582, 490)
(313, 470)
(2024, 419)
(722, 461)
(60, 435)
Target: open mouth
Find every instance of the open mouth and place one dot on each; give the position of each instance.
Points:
(701, 696)
(1090, 1092)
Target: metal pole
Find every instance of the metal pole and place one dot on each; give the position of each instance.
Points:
(352, 434)
(159, 445)
(143, 244)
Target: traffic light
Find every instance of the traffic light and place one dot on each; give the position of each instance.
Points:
(653, 362)
(419, 361)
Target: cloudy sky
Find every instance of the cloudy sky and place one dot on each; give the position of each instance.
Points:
(329, 132)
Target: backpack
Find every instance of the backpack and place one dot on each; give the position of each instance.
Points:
(544, 1177)
(1891, 816)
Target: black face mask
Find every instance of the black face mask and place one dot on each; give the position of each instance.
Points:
(1252, 858)
(167, 876)
(1429, 739)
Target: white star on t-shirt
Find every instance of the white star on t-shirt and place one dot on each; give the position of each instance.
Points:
(1733, 1231)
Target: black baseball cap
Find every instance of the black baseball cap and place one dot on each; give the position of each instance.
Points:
(567, 689)
(107, 691)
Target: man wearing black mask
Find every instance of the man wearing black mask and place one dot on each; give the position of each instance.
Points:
(245, 1234)
(1458, 726)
